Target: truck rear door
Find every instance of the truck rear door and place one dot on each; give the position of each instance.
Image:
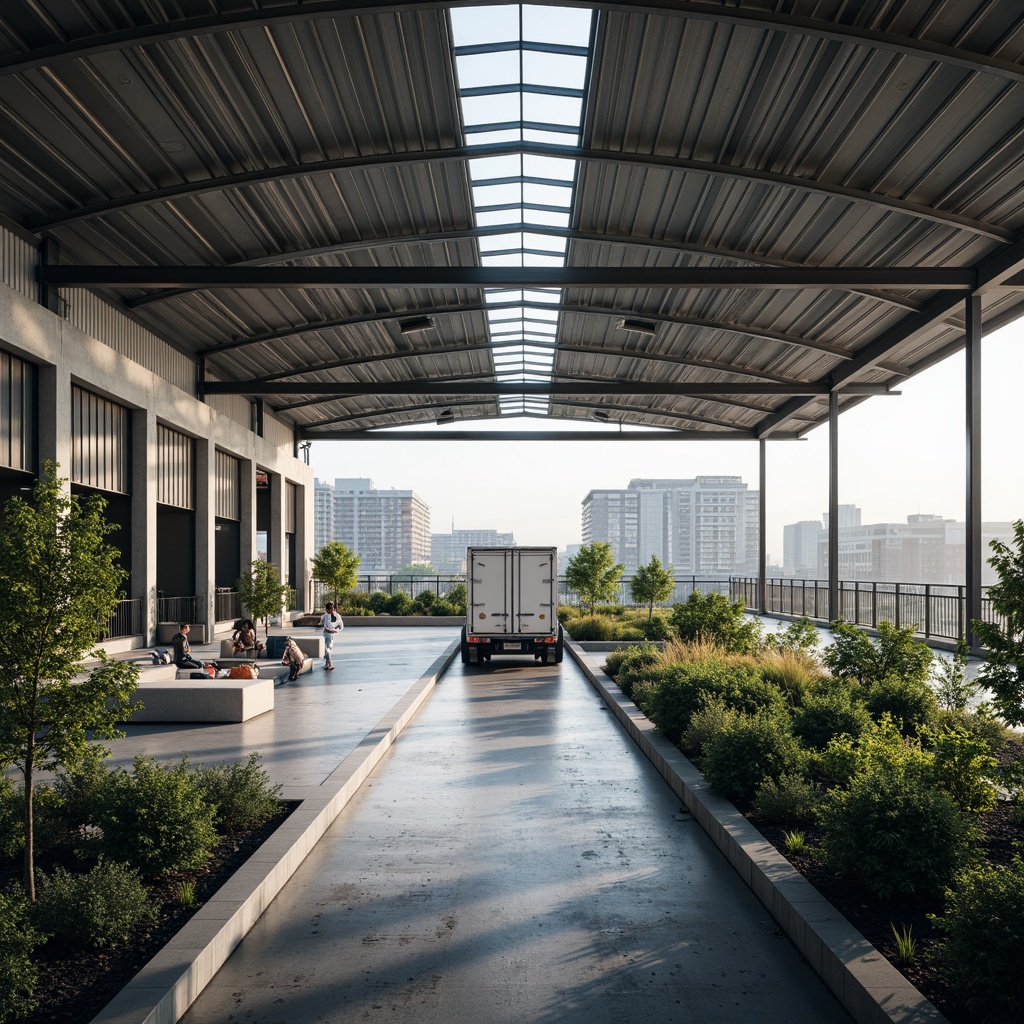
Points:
(534, 591)
(490, 591)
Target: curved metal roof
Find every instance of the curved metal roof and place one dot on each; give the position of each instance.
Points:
(778, 205)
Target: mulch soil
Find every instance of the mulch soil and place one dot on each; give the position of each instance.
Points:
(75, 983)
(874, 918)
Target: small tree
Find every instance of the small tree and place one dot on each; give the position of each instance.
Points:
(59, 582)
(1003, 671)
(262, 592)
(716, 619)
(594, 574)
(651, 582)
(337, 567)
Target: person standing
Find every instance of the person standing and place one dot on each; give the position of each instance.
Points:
(182, 651)
(331, 623)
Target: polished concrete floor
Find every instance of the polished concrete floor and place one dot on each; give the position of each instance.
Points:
(513, 858)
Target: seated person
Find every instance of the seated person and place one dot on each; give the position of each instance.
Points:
(293, 658)
(182, 652)
(244, 639)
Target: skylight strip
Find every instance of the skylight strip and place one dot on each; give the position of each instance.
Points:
(547, 92)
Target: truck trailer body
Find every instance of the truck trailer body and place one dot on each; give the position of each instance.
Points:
(512, 604)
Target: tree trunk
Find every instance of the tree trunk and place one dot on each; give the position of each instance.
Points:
(30, 874)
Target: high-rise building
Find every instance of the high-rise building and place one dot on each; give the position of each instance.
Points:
(704, 526)
(448, 550)
(388, 529)
(323, 514)
(800, 548)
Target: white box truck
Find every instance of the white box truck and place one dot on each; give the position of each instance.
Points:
(511, 604)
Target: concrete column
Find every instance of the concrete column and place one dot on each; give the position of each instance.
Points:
(303, 544)
(55, 417)
(144, 534)
(762, 503)
(833, 506)
(275, 536)
(247, 513)
(205, 526)
(973, 541)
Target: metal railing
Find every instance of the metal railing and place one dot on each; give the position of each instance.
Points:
(683, 588)
(935, 610)
(226, 605)
(125, 619)
(176, 609)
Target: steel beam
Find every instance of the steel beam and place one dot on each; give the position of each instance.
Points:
(545, 389)
(833, 507)
(973, 540)
(310, 10)
(673, 278)
(762, 533)
(447, 434)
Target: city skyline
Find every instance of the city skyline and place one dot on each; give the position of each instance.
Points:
(898, 456)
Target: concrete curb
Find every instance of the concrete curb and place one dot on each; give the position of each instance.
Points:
(165, 988)
(870, 989)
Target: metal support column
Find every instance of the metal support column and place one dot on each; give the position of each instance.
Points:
(972, 348)
(833, 506)
(762, 557)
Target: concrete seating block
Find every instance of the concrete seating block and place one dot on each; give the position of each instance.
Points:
(311, 646)
(307, 666)
(227, 650)
(165, 632)
(199, 700)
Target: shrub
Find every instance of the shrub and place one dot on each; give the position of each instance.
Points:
(829, 712)
(853, 655)
(799, 637)
(896, 833)
(656, 628)
(984, 922)
(795, 674)
(713, 617)
(908, 701)
(629, 633)
(377, 602)
(94, 909)
(443, 608)
(48, 820)
(980, 723)
(426, 599)
(953, 689)
(566, 612)
(399, 604)
(789, 800)
(157, 819)
(628, 664)
(242, 792)
(18, 938)
(597, 628)
(457, 597)
(84, 788)
(754, 748)
(354, 602)
(964, 767)
(711, 718)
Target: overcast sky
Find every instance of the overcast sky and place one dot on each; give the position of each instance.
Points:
(898, 456)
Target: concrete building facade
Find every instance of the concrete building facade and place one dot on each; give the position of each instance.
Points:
(448, 550)
(701, 526)
(190, 483)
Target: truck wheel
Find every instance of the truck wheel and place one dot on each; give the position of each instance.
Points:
(465, 648)
(559, 647)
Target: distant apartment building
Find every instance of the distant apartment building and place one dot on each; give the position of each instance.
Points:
(704, 526)
(448, 550)
(924, 549)
(323, 514)
(800, 548)
(388, 529)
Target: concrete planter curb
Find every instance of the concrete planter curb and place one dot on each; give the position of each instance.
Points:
(165, 988)
(870, 989)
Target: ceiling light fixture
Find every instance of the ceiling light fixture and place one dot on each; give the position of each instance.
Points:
(420, 323)
(637, 326)
(445, 416)
(600, 414)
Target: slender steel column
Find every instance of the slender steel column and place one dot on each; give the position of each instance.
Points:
(972, 348)
(833, 507)
(762, 557)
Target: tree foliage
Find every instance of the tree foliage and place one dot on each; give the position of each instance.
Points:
(337, 567)
(59, 582)
(261, 592)
(1003, 671)
(651, 584)
(714, 618)
(594, 574)
(416, 569)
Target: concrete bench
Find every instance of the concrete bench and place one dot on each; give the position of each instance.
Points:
(202, 700)
(311, 646)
